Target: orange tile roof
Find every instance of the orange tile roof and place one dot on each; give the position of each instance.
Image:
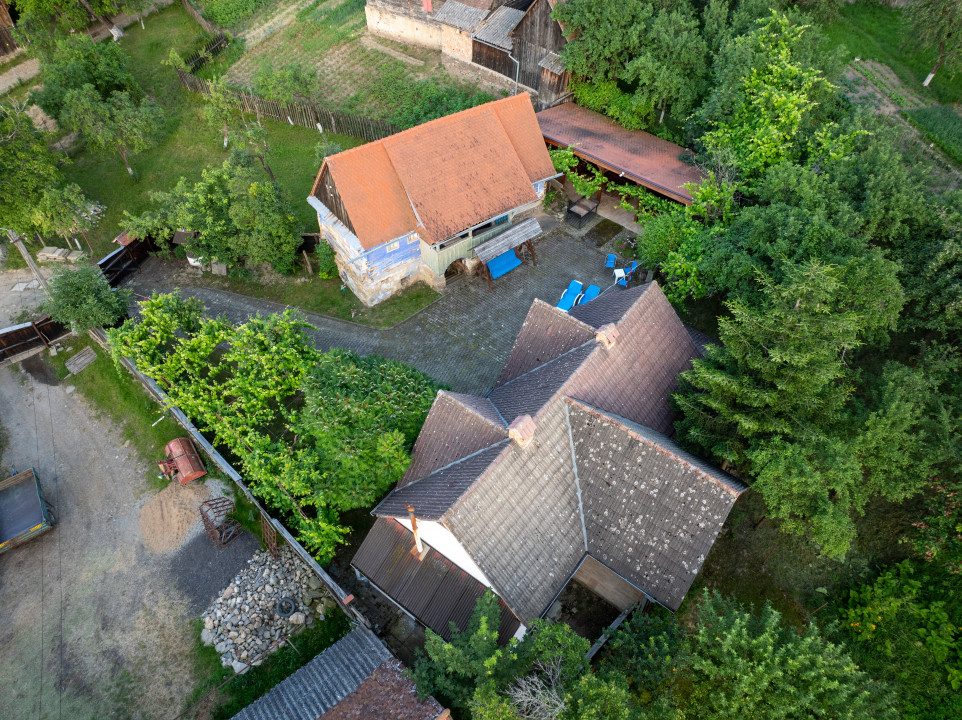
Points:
(644, 158)
(444, 176)
(366, 179)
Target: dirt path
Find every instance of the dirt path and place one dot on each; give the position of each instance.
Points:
(24, 72)
(284, 16)
(93, 623)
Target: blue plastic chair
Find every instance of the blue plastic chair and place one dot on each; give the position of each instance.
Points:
(632, 266)
(591, 292)
(610, 262)
(623, 281)
(570, 296)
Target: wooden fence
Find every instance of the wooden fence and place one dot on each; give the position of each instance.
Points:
(199, 58)
(212, 28)
(20, 341)
(124, 260)
(305, 114)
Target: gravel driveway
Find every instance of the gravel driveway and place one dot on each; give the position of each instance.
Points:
(93, 624)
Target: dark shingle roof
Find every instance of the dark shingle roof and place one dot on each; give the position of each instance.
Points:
(652, 510)
(609, 307)
(433, 589)
(432, 496)
(529, 393)
(323, 682)
(521, 524)
(644, 508)
(546, 333)
(456, 426)
(496, 30)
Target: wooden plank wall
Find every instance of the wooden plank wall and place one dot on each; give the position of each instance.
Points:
(606, 583)
(37, 335)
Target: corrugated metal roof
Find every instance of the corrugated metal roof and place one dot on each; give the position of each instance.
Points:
(644, 158)
(461, 16)
(433, 589)
(497, 29)
(509, 239)
(552, 63)
(323, 682)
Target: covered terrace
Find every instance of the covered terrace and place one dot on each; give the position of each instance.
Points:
(632, 154)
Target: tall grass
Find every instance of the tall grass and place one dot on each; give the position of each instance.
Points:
(941, 125)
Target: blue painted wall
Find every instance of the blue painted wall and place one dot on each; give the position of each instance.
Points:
(380, 260)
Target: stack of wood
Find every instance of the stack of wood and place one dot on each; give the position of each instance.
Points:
(56, 254)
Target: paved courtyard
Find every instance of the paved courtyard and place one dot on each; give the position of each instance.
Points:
(463, 338)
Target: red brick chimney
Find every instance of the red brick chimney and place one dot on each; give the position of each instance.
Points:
(522, 430)
(607, 334)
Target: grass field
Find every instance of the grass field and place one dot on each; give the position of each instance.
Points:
(877, 32)
(941, 125)
(119, 396)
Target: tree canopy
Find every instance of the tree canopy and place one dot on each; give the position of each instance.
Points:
(27, 169)
(937, 25)
(83, 299)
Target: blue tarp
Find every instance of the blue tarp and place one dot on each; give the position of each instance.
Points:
(504, 263)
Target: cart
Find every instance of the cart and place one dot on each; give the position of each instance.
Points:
(24, 513)
(182, 462)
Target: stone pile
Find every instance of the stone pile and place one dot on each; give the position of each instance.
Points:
(243, 624)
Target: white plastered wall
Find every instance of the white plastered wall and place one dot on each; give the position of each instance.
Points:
(443, 540)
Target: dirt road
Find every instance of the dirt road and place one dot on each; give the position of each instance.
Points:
(93, 623)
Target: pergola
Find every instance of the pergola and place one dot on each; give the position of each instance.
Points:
(638, 156)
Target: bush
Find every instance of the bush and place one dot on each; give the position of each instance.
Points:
(326, 266)
(83, 299)
(418, 101)
(228, 13)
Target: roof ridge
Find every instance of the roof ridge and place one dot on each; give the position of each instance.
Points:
(451, 395)
(620, 422)
(563, 313)
(541, 366)
(445, 467)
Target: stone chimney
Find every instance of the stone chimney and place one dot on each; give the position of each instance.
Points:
(607, 335)
(522, 430)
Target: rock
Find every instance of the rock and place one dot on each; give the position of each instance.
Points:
(209, 622)
(238, 666)
(228, 593)
(221, 647)
(313, 582)
(297, 618)
(206, 636)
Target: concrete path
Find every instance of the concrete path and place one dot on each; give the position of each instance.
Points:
(464, 337)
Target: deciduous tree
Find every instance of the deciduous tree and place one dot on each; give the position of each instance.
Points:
(83, 299)
(602, 37)
(937, 26)
(27, 169)
(117, 124)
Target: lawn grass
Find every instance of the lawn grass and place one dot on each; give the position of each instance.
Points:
(188, 144)
(118, 396)
(245, 689)
(874, 31)
(941, 125)
(326, 297)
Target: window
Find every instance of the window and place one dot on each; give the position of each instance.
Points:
(412, 238)
(392, 246)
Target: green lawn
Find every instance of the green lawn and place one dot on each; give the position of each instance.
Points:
(325, 297)
(877, 32)
(188, 144)
(119, 396)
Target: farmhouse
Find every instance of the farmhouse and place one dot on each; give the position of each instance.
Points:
(404, 208)
(516, 39)
(564, 471)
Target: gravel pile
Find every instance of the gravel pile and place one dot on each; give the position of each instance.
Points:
(244, 623)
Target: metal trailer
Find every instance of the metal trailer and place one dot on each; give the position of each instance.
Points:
(24, 513)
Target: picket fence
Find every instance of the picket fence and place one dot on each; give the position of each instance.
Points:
(305, 114)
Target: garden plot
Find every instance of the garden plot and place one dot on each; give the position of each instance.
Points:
(877, 85)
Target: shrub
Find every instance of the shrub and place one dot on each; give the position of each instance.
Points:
(326, 266)
(83, 299)
(228, 13)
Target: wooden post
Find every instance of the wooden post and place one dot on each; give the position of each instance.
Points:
(18, 241)
(307, 261)
(530, 245)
